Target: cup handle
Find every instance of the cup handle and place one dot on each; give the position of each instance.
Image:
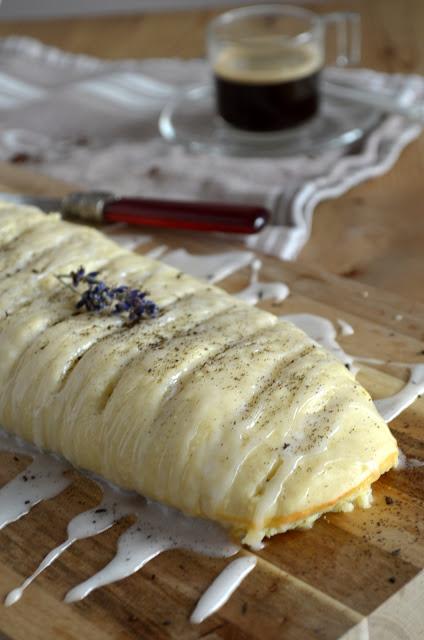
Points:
(347, 25)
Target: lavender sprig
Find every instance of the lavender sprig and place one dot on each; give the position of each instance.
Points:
(130, 303)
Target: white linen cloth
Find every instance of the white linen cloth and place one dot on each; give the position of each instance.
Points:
(94, 123)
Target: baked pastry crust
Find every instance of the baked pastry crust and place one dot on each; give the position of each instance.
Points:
(214, 407)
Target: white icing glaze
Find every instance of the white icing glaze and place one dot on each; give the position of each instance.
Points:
(222, 588)
(391, 407)
(258, 291)
(213, 267)
(157, 252)
(346, 329)
(84, 525)
(324, 333)
(405, 463)
(41, 480)
(158, 528)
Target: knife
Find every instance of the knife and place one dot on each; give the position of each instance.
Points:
(101, 206)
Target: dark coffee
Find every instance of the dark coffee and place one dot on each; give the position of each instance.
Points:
(270, 94)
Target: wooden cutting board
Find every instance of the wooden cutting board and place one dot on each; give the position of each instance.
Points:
(353, 576)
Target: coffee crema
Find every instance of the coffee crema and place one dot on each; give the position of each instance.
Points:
(267, 88)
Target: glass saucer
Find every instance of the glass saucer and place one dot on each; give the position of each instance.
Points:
(190, 119)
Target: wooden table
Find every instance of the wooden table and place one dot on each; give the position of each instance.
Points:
(375, 233)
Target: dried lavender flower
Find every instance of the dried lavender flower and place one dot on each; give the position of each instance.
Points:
(130, 303)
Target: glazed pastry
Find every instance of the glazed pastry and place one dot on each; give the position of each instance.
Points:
(213, 407)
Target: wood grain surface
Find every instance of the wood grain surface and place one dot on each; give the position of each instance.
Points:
(374, 233)
(351, 575)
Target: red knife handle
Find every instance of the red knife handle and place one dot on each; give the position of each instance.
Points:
(231, 218)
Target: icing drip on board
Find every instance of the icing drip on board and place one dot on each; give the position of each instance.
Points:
(213, 267)
(84, 525)
(322, 331)
(346, 329)
(157, 529)
(41, 480)
(259, 291)
(222, 588)
(157, 252)
(391, 407)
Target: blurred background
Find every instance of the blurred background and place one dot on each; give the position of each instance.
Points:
(12, 9)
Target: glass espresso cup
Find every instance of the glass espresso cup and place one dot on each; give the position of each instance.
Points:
(266, 61)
